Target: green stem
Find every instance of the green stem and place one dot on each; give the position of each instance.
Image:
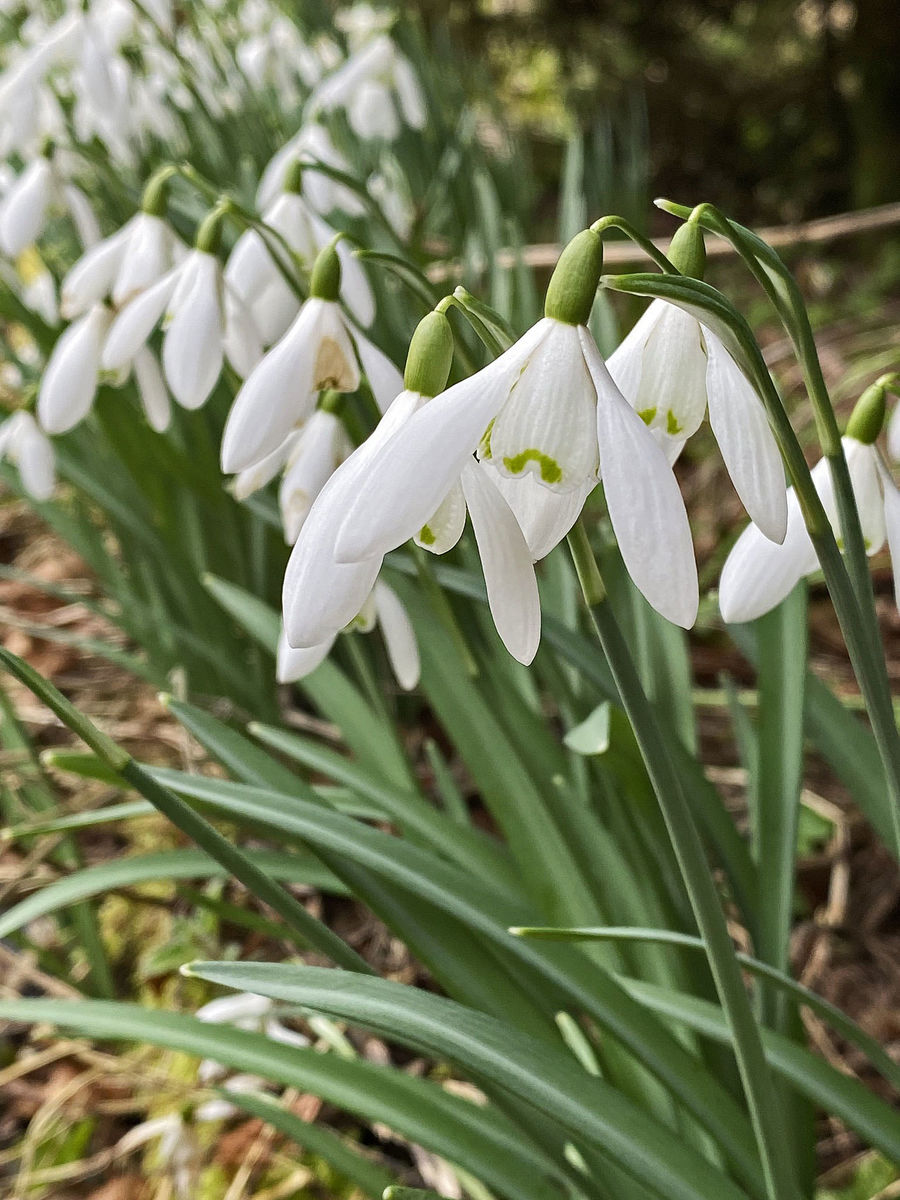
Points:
(759, 1089)
(445, 613)
(649, 248)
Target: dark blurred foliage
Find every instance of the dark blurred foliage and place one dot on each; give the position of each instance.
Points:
(775, 110)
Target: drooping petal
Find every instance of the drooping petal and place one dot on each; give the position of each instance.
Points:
(92, 276)
(548, 425)
(443, 530)
(741, 427)
(384, 379)
(863, 463)
(645, 505)
(506, 561)
(673, 374)
(241, 340)
(893, 434)
(399, 636)
(250, 268)
(152, 390)
(416, 469)
(147, 258)
(313, 461)
(192, 353)
(69, 383)
(891, 523)
(274, 309)
(409, 92)
(759, 573)
(245, 483)
(134, 324)
(626, 363)
(24, 443)
(24, 207)
(544, 516)
(321, 595)
(292, 664)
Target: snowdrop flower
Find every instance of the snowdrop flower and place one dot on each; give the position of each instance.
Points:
(317, 352)
(70, 379)
(758, 574)
(323, 594)
(376, 85)
(253, 273)
(320, 447)
(382, 608)
(24, 209)
(179, 1150)
(204, 323)
(548, 407)
(23, 443)
(672, 369)
(244, 1010)
(127, 263)
(310, 145)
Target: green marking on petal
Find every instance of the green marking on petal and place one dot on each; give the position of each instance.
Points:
(484, 446)
(551, 471)
(673, 426)
(426, 536)
(647, 415)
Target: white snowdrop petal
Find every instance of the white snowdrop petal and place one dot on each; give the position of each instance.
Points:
(444, 528)
(384, 378)
(892, 525)
(321, 595)
(69, 383)
(544, 516)
(741, 427)
(24, 207)
(147, 258)
(192, 353)
(863, 463)
(292, 664)
(24, 443)
(245, 483)
(250, 268)
(416, 469)
(91, 278)
(313, 461)
(644, 503)
(626, 362)
(82, 214)
(409, 92)
(506, 561)
(548, 426)
(134, 324)
(399, 636)
(674, 373)
(759, 573)
(242, 341)
(893, 434)
(238, 1006)
(152, 390)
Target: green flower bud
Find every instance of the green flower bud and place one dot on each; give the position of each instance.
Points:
(430, 355)
(293, 178)
(209, 235)
(687, 251)
(574, 282)
(325, 282)
(867, 417)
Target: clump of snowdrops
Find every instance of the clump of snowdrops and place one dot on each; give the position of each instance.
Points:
(226, 331)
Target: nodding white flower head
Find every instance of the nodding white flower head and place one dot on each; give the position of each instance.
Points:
(758, 574)
(316, 353)
(310, 145)
(318, 450)
(70, 379)
(376, 85)
(253, 273)
(673, 370)
(25, 206)
(383, 608)
(204, 322)
(124, 265)
(546, 409)
(244, 1010)
(26, 446)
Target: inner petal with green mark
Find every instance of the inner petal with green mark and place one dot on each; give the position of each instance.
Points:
(549, 469)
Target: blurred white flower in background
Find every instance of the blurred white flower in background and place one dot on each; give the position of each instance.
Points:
(378, 89)
(27, 447)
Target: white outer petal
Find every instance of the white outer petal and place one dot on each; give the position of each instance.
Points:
(292, 664)
(892, 524)
(24, 207)
(741, 427)
(506, 561)
(544, 516)
(414, 472)
(192, 353)
(313, 461)
(91, 278)
(241, 340)
(134, 324)
(409, 92)
(70, 377)
(384, 379)
(25, 443)
(644, 503)
(626, 363)
(245, 483)
(82, 215)
(399, 636)
(148, 256)
(759, 573)
(893, 434)
(321, 595)
(152, 390)
(863, 463)
(445, 526)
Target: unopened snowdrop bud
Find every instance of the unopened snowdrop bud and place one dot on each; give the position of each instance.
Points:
(430, 356)
(315, 354)
(868, 413)
(687, 251)
(23, 443)
(573, 284)
(69, 383)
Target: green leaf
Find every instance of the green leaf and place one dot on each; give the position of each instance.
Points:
(534, 1071)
